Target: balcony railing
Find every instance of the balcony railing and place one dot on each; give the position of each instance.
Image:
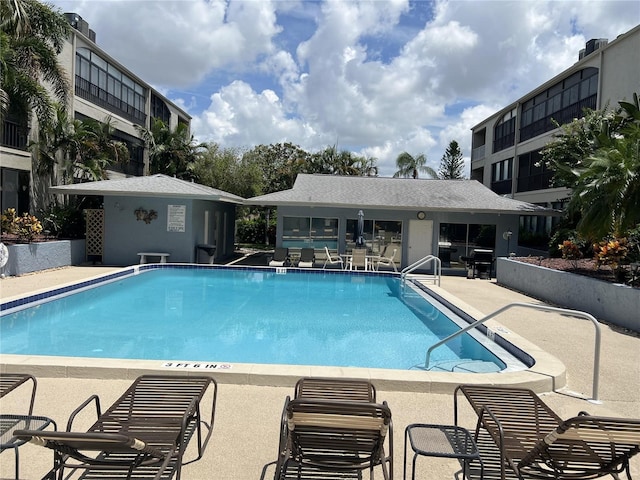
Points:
(563, 116)
(14, 135)
(93, 93)
(477, 153)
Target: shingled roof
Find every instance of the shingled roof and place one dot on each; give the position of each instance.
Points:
(149, 186)
(396, 194)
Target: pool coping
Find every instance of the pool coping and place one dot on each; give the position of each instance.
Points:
(547, 373)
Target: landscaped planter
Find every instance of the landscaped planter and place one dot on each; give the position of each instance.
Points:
(32, 257)
(615, 303)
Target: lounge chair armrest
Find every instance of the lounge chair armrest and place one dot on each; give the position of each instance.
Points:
(284, 438)
(486, 411)
(83, 405)
(389, 456)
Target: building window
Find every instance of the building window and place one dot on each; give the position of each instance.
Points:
(379, 236)
(310, 232)
(501, 175)
(15, 190)
(105, 85)
(460, 239)
(478, 174)
(14, 132)
(504, 133)
(532, 172)
(559, 104)
(159, 109)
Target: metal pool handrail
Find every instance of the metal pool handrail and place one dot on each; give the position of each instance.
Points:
(575, 313)
(437, 269)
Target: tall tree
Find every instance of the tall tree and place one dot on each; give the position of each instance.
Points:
(452, 163)
(171, 152)
(280, 164)
(410, 166)
(227, 169)
(334, 162)
(77, 150)
(32, 35)
(368, 166)
(607, 186)
(597, 156)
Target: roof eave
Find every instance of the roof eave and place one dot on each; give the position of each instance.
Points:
(123, 193)
(286, 203)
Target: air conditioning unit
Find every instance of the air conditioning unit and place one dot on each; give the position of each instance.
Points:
(591, 46)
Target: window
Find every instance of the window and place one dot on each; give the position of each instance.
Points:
(560, 103)
(379, 235)
(313, 232)
(102, 83)
(505, 131)
(460, 239)
(532, 173)
(501, 175)
(159, 109)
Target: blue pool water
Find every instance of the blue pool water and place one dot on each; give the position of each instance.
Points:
(243, 316)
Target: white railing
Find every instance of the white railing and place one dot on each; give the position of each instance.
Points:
(574, 313)
(437, 268)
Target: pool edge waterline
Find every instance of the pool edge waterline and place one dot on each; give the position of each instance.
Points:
(546, 374)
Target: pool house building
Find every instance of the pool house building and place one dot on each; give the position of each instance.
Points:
(157, 218)
(447, 218)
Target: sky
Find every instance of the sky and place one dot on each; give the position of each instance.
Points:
(375, 77)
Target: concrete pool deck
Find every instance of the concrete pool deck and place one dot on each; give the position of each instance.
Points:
(247, 418)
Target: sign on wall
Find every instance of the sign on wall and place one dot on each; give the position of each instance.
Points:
(176, 218)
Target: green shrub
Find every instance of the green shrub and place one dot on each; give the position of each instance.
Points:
(64, 221)
(252, 230)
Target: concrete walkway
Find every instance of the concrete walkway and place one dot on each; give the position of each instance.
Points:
(245, 437)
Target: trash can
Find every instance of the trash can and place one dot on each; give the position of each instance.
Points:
(207, 251)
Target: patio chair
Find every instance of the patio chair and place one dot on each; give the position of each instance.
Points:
(280, 257)
(343, 437)
(387, 261)
(342, 389)
(144, 434)
(10, 382)
(332, 259)
(536, 443)
(358, 259)
(307, 258)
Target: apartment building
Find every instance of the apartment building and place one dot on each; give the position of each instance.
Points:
(101, 87)
(506, 146)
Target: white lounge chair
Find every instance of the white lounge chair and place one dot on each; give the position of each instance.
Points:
(388, 261)
(332, 259)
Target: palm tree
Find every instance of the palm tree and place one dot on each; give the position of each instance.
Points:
(607, 190)
(82, 150)
(409, 166)
(31, 37)
(172, 153)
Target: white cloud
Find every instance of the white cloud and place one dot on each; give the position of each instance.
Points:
(319, 73)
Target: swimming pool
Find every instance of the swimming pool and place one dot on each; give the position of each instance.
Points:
(247, 316)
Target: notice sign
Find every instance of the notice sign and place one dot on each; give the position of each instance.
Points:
(176, 217)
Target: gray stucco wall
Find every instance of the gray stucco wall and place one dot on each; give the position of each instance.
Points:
(33, 257)
(617, 304)
(125, 236)
(502, 223)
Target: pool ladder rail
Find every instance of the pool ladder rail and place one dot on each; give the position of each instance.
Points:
(545, 308)
(435, 276)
